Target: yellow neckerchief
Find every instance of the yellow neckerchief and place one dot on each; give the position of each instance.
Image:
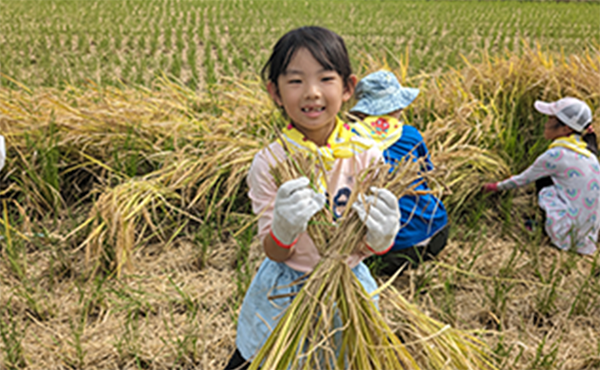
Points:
(342, 143)
(574, 143)
(384, 130)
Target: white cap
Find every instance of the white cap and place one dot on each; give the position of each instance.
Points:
(572, 112)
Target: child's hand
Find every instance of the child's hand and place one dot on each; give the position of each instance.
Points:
(383, 219)
(295, 204)
(490, 187)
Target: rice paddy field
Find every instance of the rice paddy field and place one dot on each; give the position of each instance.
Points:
(127, 239)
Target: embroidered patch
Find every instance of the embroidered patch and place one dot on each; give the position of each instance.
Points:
(381, 126)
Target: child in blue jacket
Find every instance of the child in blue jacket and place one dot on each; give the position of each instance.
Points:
(424, 221)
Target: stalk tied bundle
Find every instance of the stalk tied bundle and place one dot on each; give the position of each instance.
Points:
(333, 323)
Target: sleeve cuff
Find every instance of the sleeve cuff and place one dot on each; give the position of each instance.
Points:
(280, 244)
(382, 252)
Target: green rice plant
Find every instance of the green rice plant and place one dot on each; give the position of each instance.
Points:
(185, 343)
(77, 326)
(478, 238)
(175, 69)
(448, 304)
(13, 252)
(498, 291)
(191, 55)
(503, 351)
(204, 239)
(545, 359)
(422, 281)
(209, 64)
(244, 269)
(128, 344)
(181, 339)
(437, 42)
(132, 300)
(92, 304)
(11, 335)
(42, 179)
(585, 297)
(497, 295)
(546, 298)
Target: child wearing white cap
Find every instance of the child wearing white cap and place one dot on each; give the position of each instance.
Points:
(423, 219)
(571, 201)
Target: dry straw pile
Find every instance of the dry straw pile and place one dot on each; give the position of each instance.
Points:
(148, 184)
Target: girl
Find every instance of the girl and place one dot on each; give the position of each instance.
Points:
(570, 198)
(309, 76)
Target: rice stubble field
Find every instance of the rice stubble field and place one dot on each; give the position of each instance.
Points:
(127, 236)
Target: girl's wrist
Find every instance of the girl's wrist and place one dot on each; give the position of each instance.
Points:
(275, 251)
(280, 243)
(378, 253)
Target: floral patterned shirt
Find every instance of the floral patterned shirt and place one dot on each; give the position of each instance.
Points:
(572, 204)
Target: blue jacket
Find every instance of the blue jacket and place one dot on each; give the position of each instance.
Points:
(422, 215)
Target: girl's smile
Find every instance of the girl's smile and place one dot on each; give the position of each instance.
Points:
(311, 95)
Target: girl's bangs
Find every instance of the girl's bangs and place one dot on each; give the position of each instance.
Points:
(317, 52)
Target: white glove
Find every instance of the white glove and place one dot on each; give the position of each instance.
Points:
(383, 220)
(295, 204)
(2, 152)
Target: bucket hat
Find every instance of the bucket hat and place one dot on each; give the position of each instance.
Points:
(380, 93)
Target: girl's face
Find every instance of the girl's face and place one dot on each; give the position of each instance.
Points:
(311, 95)
(553, 130)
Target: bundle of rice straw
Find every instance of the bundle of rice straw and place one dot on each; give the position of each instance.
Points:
(333, 322)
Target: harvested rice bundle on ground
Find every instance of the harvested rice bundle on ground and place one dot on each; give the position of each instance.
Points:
(436, 345)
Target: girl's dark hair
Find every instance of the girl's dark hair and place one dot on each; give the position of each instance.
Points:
(561, 123)
(326, 46)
